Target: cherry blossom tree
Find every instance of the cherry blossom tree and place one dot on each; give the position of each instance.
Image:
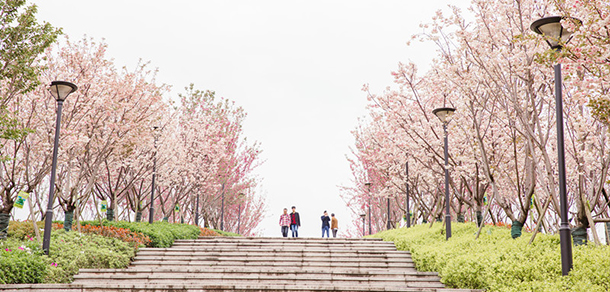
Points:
(497, 74)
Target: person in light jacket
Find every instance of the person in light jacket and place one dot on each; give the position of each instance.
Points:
(334, 224)
(285, 222)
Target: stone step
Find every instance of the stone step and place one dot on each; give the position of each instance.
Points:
(295, 246)
(262, 278)
(242, 238)
(275, 250)
(249, 270)
(284, 241)
(217, 287)
(289, 249)
(275, 255)
(173, 264)
(272, 258)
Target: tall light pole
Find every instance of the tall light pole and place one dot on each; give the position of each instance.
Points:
(363, 216)
(240, 197)
(388, 225)
(556, 36)
(152, 192)
(222, 209)
(368, 187)
(60, 90)
(444, 114)
(197, 210)
(407, 194)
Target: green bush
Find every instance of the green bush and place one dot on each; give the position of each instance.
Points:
(225, 233)
(21, 262)
(23, 229)
(497, 262)
(71, 251)
(161, 234)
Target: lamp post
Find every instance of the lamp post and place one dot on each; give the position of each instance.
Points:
(151, 215)
(197, 210)
(222, 209)
(556, 36)
(444, 114)
(388, 225)
(368, 187)
(363, 216)
(407, 194)
(240, 197)
(60, 90)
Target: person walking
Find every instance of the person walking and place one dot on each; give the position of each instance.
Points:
(334, 224)
(295, 222)
(325, 224)
(285, 222)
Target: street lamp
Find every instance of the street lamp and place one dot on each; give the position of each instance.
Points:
(444, 114)
(368, 186)
(152, 192)
(407, 194)
(556, 36)
(197, 210)
(240, 197)
(60, 90)
(222, 209)
(363, 216)
(388, 225)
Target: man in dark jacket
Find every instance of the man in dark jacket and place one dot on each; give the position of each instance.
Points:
(295, 222)
(325, 224)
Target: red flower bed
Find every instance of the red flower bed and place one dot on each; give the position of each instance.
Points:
(126, 235)
(208, 232)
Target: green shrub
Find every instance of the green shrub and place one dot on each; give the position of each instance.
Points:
(21, 262)
(161, 234)
(23, 229)
(497, 262)
(71, 251)
(225, 233)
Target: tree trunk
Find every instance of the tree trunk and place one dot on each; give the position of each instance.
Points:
(4, 219)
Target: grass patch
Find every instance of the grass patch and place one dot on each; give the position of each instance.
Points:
(496, 262)
(225, 233)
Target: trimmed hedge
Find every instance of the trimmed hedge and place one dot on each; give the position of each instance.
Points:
(21, 262)
(71, 251)
(496, 262)
(24, 262)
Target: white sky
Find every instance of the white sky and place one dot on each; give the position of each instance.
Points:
(296, 67)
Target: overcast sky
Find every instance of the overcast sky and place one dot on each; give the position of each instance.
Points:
(296, 67)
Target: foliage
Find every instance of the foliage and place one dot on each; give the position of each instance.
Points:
(22, 40)
(21, 262)
(225, 233)
(161, 234)
(109, 150)
(71, 251)
(23, 230)
(135, 239)
(498, 263)
(502, 157)
(208, 232)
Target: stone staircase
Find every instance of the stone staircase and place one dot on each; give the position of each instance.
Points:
(259, 264)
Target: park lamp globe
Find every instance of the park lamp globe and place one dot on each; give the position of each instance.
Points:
(61, 89)
(553, 32)
(444, 114)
